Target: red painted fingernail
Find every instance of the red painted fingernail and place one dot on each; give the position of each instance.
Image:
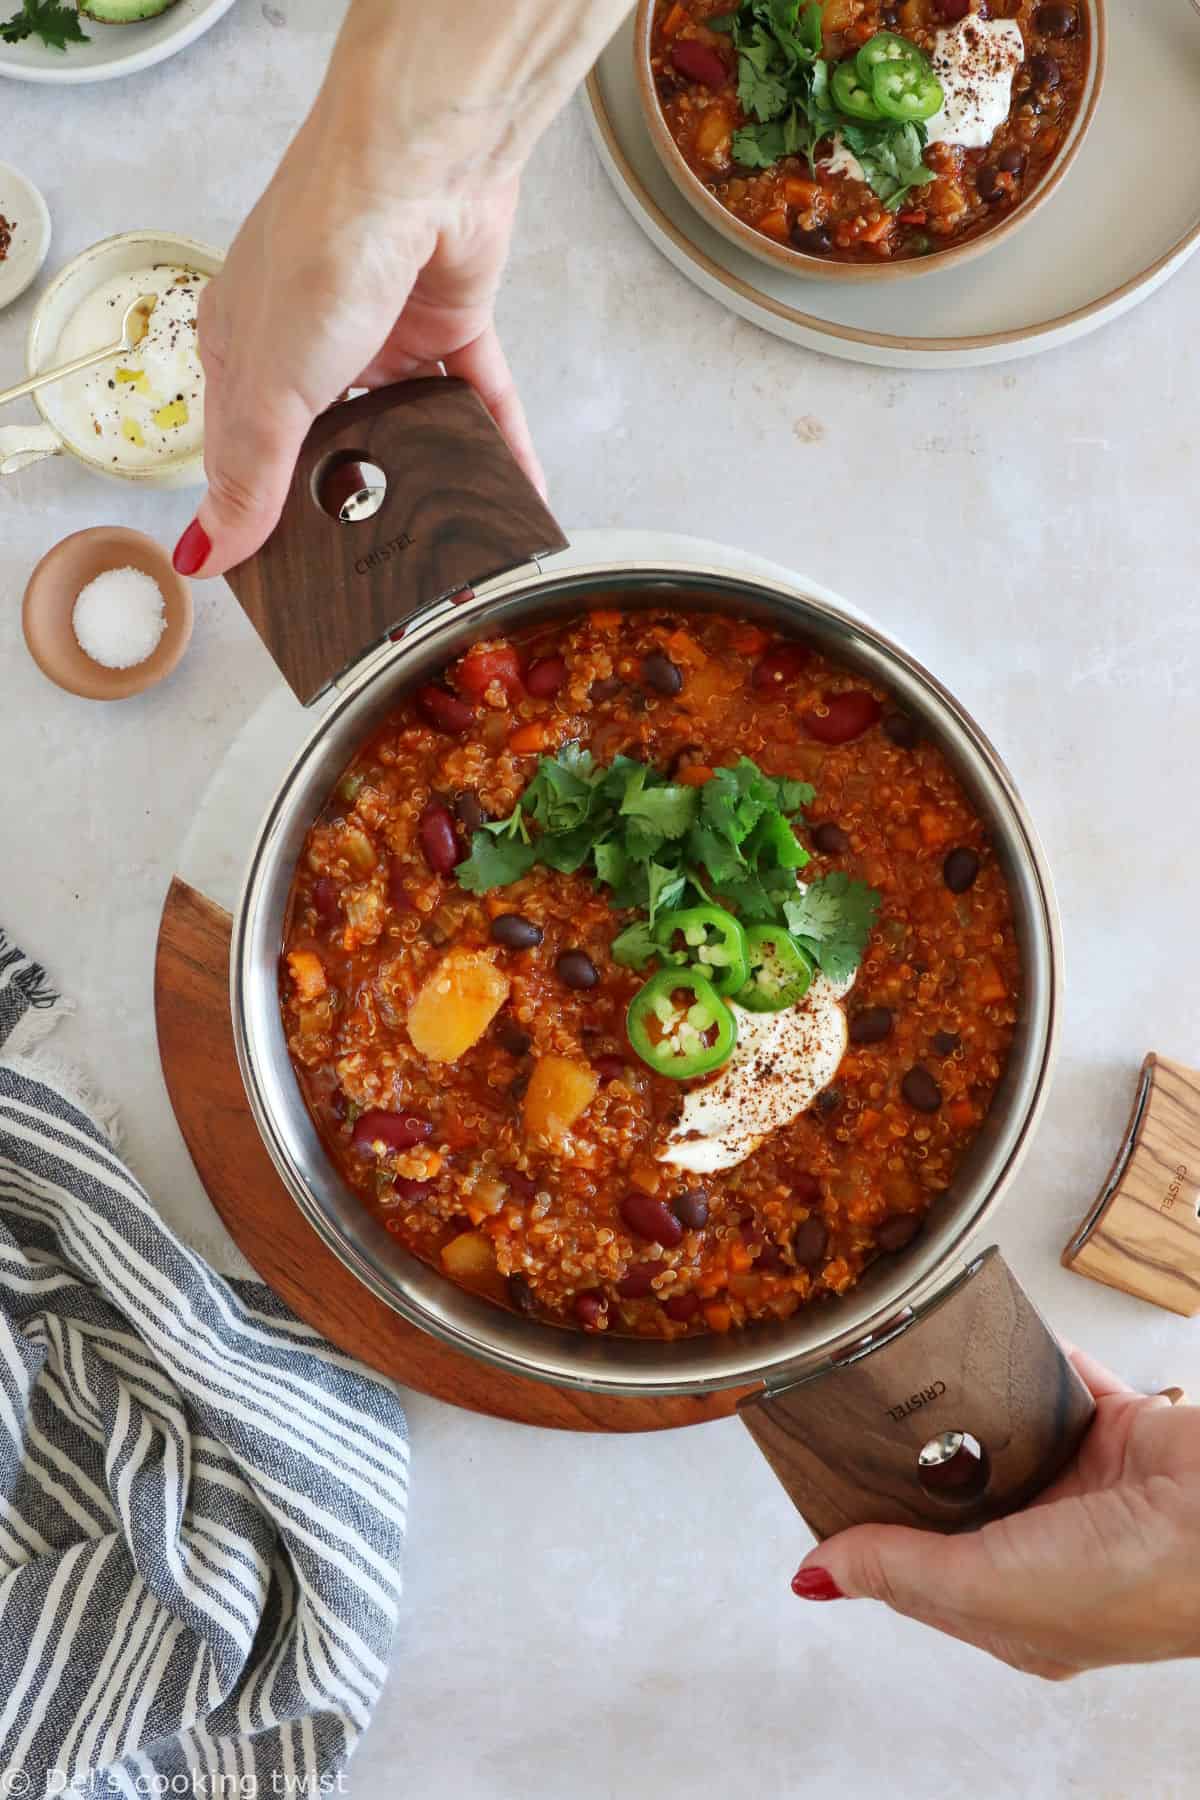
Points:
(192, 550)
(816, 1584)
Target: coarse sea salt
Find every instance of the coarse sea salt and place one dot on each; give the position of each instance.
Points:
(119, 618)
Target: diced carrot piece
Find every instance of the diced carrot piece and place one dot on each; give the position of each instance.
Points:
(719, 1316)
(935, 830)
(560, 1092)
(868, 1119)
(916, 217)
(456, 1005)
(749, 639)
(714, 135)
(961, 1113)
(875, 234)
(695, 775)
(685, 649)
(605, 620)
(675, 21)
(528, 739)
(740, 1258)
(308, 973)
(469, 1257)
(798, 192)
(776, 224)
(991, 983)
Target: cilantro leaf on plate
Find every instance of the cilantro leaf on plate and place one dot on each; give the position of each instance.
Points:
(56, 25)
(832, 918)
(494, 862)
(669, 809)
(634, 946)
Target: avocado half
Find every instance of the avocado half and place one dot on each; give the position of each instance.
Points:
(123, 12)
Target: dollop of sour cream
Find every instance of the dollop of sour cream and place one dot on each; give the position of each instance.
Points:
(780, 1063)
(842, 160)
(144, 406)
(975, 62)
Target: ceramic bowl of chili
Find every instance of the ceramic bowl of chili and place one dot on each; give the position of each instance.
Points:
(798, 132)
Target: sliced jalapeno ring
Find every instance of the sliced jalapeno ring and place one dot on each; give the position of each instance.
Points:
(679, 1025)
(706, 938)
(780, 971)
(903, 92)
(852, 94)
(887, 47)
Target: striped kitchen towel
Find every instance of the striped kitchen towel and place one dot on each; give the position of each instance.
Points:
(201, 1503)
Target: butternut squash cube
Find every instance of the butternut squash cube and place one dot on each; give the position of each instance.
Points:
(559, 1092)
(469, 1257)
(308, 973)
(456, 1005)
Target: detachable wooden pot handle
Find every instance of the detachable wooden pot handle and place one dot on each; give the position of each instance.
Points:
(400, 498)
(963, 1413)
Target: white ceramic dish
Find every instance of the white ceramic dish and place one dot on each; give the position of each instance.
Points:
(21, 445)
(25, 211)
(113, 50)
(1122, 222)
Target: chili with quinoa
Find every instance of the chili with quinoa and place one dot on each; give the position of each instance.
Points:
(845, 201)
(465, 1054)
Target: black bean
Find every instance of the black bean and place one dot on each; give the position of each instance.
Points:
(960, 869)
(871, 1025)
(660, 674)
(810, 1241)
(1027, 101)
(829, 1099)
(945, 1043)
(468, 810)
(921, 1090)
(519, 1084)
(1056, 21)
(1044, 71)
(1012, 161)
(516, 933)
(897, 1232)
(829, 839)
(691, 1208)
(988, 182)
(902, 731)
(604, 690)
(814, 242)
(511, 1037)
(577, 970)
(521, 1293)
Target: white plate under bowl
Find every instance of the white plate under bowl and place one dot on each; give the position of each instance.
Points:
(114, 49)
(25, 211)
(1126, 216)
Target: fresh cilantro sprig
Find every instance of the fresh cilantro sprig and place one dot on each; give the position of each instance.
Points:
(658, 844)
(55, 24)
(784, 89)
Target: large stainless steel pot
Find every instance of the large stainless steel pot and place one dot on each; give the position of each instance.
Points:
(817, 1339)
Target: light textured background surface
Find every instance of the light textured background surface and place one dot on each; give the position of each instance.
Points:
(595, 1617)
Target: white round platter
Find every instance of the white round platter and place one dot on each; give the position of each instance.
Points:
(113, 50)
(24, 210)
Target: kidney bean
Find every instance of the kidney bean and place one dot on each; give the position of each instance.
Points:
(691, 1208)
(871, 1025)
(830, 839)
(1044, 71)
(516, 933)
(805, 1187)
(810, 1241)
(395, 1131)
(1056, 21)
(511, 1037)
(480, 668)
(520, 1292)
(902, 731)
(698, 63)
(813, 240)
(778, 667)
(921, 1090)
(325, 899)
(829, 1100)
(651, 1219)
(591, 1309)
(523, 1186)
(604, 690)
(575, 969)
(960, 869)
(682, 1307)
(989, 185)
(413, 1193)
(661, 675)
(444, 711)
(898, 1232)
(1012, 161)
(610, 1068)
(468, 810)
(846, 717)
(544, 677)
(945, 1043)
(951, 11)
(439, 840)
(635, 1283)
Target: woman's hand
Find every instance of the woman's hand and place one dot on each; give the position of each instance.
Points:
(376, 252)
(1103, 1568)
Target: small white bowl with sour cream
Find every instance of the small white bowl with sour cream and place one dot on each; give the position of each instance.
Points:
(140, 416)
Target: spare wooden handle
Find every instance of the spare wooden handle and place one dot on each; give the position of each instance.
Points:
(888, 1438)
(453, 509)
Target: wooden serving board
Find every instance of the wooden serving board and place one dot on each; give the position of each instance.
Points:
(195, 1039)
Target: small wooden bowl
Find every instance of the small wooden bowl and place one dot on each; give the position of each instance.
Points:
(50, 598)
(821, 268)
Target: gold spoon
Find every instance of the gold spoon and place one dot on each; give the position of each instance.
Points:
(134, 327)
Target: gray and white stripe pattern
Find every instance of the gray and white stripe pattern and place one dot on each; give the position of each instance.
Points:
(202, 1504)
